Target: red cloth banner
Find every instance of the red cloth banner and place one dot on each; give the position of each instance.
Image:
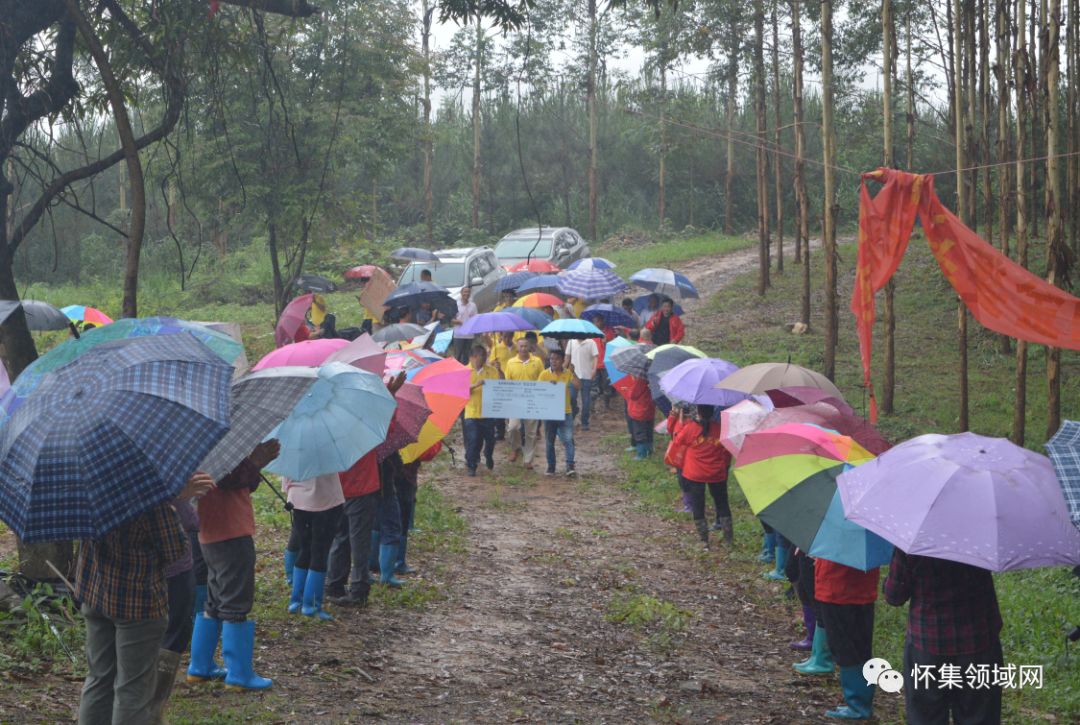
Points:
(1000, 294)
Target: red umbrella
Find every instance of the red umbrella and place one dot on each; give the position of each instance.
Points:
(364, 271)
(827, 416)
(409, 418)
(540, 266)
(805, 395)
(292, 319)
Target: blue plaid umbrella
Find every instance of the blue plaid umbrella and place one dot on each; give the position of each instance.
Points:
(1064, 451)
(540, 283)
(613, 316)
(110, 436)
(590, 284)
(665, 282)
(592, 263)
(513, 280)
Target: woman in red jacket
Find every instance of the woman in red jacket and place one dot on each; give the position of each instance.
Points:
(665, 326)
(705, 464)
(640, 411)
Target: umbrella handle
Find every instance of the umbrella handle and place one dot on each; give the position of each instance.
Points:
(288, 506)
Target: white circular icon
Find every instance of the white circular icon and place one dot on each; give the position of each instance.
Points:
(873, 669)
(890, 681)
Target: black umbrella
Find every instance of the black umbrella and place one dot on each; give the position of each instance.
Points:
(315, 283)
(39, 315)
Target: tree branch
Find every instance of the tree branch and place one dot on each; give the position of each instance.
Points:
(291, 8)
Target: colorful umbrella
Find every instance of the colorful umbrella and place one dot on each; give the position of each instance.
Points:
(538, 300)
(827, 416)
(308, 352)
(540, 283)
(611, 315)
(665, 282)
(399, 332)
(409, 360)
(446, 390)
(293, 317)
(694, 381)
(344, 414)
(571, 329)
(414, 254)
(803, 395)
(1064, 450)
(967, 498)
(363, 353)
(86, 315)
(740, 419)
(613, 372)
(39, 315)
(632, 360)
(513, 280)
(533, 316)
(590, 284)
(540, 266)
(409, 418)
(762, 377)
(365, 272)
(591, 263)
(489, 322)
(110, 436)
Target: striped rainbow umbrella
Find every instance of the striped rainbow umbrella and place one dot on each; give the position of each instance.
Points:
(446, 390)
(86, 315)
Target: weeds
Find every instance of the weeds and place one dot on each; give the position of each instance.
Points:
(44, 630)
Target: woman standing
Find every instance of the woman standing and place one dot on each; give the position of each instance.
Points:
(317, 505)
(705, 464)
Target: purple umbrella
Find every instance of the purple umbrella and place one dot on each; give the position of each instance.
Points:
(694, 381)
(966, 498)
(489, 322)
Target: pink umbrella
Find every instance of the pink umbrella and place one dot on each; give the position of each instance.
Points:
(827, 416)
(738, 420)
(366, 271)
(363, 353)
(308, 352)
(292, 318)
(804, 395)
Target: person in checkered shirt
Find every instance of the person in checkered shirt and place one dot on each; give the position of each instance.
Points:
(953, 620)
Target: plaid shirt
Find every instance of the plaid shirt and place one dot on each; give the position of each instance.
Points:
(122, 574)
(954, 608)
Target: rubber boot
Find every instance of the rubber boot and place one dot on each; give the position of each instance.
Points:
(727, 529)
(768, 546)
(820, 661)
(702, 527)
(168, 663)
(296, 601)
(388, 554)
(238, 647)
(810, 621)
(403, 566)
(373, 553)
(777, 574)
(642, 451)
(313, 594)
(290, 563)
(685, 504)
(858, 696)
(204, 640)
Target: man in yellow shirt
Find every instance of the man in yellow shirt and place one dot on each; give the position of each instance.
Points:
(562, 429)
(523, 367)
(479, 431)
(506, 299)
(502, 349)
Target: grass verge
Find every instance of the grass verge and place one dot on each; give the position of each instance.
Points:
(631, 257)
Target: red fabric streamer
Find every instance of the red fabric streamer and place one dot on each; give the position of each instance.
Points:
(1000, 294)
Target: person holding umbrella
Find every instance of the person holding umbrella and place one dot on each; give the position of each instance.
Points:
(478, 430)
(665, 326)
(466, 310)
(705, 464)
(585, 360)
(640, 412)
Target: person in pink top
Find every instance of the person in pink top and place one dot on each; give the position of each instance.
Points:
(317, 505)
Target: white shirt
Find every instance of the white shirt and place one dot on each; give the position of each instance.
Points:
(583, 356)
(464, 313)
(315, 494)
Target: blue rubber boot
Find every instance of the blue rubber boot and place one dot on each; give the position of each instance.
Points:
(388, 554)
(768, 544)
(820, 661)
(777, 574)
(643, 451)
(290, 563)
(858, 696)
(200, 601)
(313, 593)
(403, 566)
(204, 640)
(238, 647)
(296, 601)
(373, 553)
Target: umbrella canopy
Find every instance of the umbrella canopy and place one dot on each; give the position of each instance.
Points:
(344, 414)
(827, 416)
(414, 294)
(488, 322)
(664, 358)
(39, 315)
(590, 284)
(293, 317)
(613, 316)
(742, 418)
(803, 395)
(591, 263)
(631, 360)
(641, 306)
(315, 283)
(571, 329)
(446, 390)
(409, 418)
(442, 341)
(414, 254)
(308, 352)
(676, 353)
(694, 381)
(665, 282)
(365, 272)
(399, 332)
(540, 266)
(260, 401)
(1064, 450)
(967, 498)
(110, 436)
(762, 377)
(540, 283)
(613, 372)
(513, 280)
(86, 315)
(363, 353)
(533, 316)
(409, 360)
(538, 300)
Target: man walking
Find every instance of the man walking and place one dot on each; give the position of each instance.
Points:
(466, 310)
(479, 431)
(584, 357)
(524, 367)
(562, 429)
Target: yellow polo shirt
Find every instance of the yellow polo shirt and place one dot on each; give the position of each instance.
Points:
(476, 397)
(528, 370)
(564, 377)
(501, 353)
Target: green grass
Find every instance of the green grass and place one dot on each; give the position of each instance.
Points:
(642, 610)
(630, 258)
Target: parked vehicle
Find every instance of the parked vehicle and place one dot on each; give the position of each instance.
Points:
(477, 267)
(558, 245)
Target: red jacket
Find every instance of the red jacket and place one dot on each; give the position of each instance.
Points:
(639, 402)
(675, 326)
(838, 584)
(363, 478)
(706, 460)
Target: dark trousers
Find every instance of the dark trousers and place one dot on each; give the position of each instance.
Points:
(352, 545)
(230, 578)
(389, 514)
(479, 433)
(931, 704)
(641, 431)
(406, 495)
(462, 348)
(121, 658)
(198, 564)
(181, 589)
(294, 537)
(500, 429)
(696, 490)
(315, 531)
(850, 628)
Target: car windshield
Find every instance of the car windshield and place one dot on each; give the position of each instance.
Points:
(447, 274)
(520, 247)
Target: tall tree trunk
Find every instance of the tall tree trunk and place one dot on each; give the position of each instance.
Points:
(1035, 69)
(663, 141)
(963, 210)
(1072, 182)
(971, 115)
(888, 41)
(591, 97)
(761, 167)
(828, 235)
(476, 125)
(732, 98)
(778, 182)
(1020, 405)
(985, 119)
(910, 83)
(802, 231)
(1056, 250)
(1002, 41)
(428, 12)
